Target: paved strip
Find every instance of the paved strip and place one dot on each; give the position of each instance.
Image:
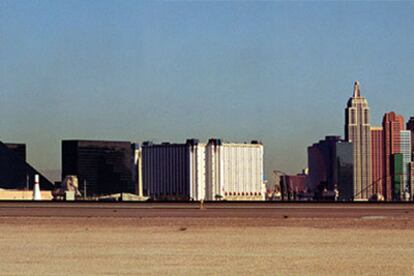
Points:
(266, 205)
(211, 210)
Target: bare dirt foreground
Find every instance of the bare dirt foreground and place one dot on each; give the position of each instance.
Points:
(206, 246)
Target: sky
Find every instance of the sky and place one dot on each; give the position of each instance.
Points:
(279, 72)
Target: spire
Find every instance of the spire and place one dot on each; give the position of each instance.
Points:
(356, 89)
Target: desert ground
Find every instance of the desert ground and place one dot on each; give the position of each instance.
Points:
(206, 245)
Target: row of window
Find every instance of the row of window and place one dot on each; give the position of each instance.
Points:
(242, 193)
(353, 119)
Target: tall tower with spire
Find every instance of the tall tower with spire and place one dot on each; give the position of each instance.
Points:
(358, 131)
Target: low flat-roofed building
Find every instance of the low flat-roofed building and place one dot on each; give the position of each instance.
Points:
(293, 187)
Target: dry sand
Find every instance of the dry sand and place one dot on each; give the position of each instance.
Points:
(191, 246)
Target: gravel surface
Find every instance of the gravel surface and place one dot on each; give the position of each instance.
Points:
(191, 246)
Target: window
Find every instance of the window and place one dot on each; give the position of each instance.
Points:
(353, 119)
(366, 116)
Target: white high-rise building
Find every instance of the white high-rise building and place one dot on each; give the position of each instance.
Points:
(358, 131)
(405, 148)
(234, 171)
(196, 171)
(173, 171)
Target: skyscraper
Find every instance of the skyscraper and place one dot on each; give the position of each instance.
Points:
(330, 163)
(173, 171)
(15, 172)
(234, 171)
(397, 176)
(411, 176)
(358, 131)
(377, 151)
(392, 125)
(410, 127)
(198, 171)
(19, 149)
(103, 166)
(405, 148)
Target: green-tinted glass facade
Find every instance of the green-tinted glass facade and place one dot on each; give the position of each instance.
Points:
(397, 172)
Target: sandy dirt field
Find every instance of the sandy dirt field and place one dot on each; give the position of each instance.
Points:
(200, 246)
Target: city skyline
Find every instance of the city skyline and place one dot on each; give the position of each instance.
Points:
(206, 137)
(139, 71)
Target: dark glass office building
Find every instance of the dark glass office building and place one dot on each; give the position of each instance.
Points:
(19, 149)
(15, 172)
(105, 166)
(330, 164)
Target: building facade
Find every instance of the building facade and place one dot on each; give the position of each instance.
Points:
(15, 172)
(392, 125)
(197, 171)
(18, 149)
(174, 171)
(377, 151)
(330, 164)
(234, 171)
(397, 176)
(358, 131)
(405, 149)
(136, 166)
(411, 174)
(410, 127)
(294, 187)
(102, 167)
(277, 183)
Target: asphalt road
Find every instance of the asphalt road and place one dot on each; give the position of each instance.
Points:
(210, 210)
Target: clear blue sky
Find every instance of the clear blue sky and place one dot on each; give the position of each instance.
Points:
(280, 72)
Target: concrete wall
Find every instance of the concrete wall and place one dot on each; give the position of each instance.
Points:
(22, 195)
